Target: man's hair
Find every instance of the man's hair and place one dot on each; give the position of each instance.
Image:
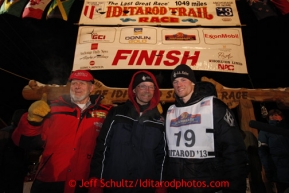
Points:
(274, 112)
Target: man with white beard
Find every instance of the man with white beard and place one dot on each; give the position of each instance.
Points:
(66, 129)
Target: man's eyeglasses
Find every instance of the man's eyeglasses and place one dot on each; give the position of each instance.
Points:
(145, 87)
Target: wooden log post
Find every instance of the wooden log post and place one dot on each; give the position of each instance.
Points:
(245, 114)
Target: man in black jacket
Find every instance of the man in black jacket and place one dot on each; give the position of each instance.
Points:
(274, 152)
(206, 148)
(130, 150)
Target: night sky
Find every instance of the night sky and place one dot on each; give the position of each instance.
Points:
(43, 50)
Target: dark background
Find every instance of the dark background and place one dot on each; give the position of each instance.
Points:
(43, 50)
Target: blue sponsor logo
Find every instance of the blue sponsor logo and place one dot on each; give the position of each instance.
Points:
(186, 119)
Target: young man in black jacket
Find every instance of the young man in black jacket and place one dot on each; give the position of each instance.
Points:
(206, 148)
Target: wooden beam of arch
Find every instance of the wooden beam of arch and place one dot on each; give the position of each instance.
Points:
(231, 96)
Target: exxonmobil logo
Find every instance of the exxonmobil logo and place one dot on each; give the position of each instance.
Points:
(216, 36)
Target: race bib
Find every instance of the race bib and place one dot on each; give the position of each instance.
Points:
(189, 130)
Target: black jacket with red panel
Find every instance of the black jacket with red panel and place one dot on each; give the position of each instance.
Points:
(131, 146)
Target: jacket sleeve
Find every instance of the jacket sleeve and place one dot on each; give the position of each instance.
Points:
(231, 148)
(101, 144)
(161, 155)
(264, 154)
(28, 135)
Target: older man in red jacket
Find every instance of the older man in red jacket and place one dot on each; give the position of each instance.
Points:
(66, 129)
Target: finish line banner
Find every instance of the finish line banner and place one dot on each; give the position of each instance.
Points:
(134, 47)
(160, 13)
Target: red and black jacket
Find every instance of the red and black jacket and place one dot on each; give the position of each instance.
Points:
(67, 136)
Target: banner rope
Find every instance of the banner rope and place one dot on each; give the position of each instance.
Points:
(14, 74)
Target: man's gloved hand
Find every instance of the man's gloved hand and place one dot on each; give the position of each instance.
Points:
(38, 109)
